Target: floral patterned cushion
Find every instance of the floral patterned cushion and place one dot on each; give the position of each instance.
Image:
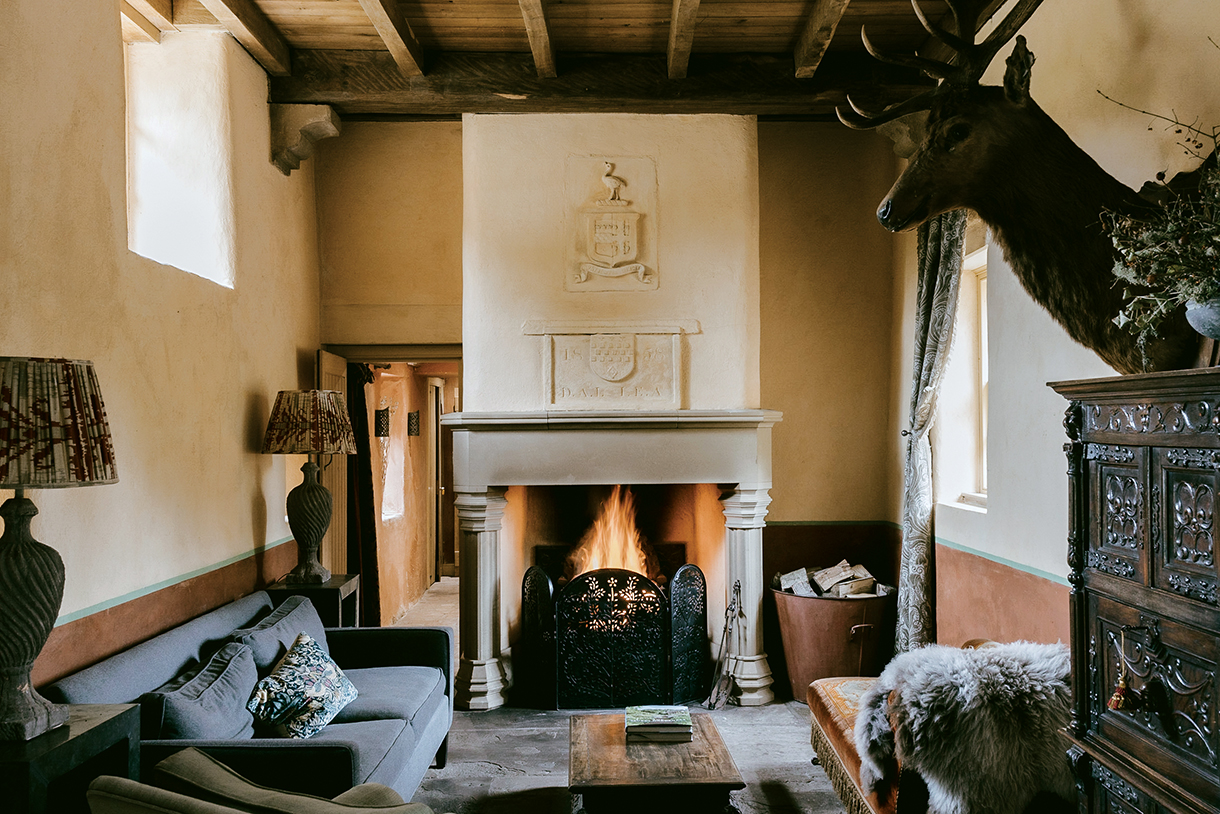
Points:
(303, 692)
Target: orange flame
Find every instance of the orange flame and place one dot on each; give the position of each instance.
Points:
(613, 541)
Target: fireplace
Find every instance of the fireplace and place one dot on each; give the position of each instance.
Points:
(608, 623)
(500, 460)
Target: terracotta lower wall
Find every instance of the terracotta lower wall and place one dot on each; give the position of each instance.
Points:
(75, 645)
(978, 598)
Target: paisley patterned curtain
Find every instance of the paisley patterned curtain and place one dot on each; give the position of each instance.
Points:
(940, 266)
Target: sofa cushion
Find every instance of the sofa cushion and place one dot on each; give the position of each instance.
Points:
(200, 776)
(380, 749)
(303, 693)
(207, 703)
(271, 638)
(407, 693)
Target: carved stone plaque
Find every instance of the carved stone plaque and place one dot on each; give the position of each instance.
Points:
(611, 223)
(614, 372)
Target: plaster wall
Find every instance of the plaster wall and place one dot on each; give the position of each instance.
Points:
(1151, 54)
(390, 233)
(515, 247)
(187, 368)
(827, 294)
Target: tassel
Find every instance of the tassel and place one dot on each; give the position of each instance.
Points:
(1124, 698)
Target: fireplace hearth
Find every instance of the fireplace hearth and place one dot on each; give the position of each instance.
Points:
(612, 638)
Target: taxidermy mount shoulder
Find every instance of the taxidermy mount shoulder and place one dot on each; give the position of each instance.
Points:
(993, 150)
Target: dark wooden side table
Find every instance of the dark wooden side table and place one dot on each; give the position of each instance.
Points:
(50, 774)
(337, 600)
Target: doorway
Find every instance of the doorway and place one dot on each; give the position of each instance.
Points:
(409, 460)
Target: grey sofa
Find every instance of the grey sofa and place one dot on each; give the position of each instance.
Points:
(390, 734)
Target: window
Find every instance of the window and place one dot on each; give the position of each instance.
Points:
(959, 436)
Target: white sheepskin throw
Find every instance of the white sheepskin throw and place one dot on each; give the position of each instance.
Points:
(980, 726)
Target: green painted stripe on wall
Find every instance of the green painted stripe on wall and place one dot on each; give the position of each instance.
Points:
(1029, 569)
(887, 523)
(207, 569)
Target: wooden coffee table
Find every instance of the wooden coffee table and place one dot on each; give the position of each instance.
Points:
(615, 776)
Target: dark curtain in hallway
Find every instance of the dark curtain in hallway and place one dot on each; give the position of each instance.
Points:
(361, 516)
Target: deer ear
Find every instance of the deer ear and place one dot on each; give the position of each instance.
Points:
(1016, 79)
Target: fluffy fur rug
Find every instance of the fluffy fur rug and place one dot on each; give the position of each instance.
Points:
(980, 726)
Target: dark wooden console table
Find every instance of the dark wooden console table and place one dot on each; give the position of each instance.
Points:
(50, 774)
(337, 600)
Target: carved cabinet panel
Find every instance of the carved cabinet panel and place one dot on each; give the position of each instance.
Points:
(1143, 473)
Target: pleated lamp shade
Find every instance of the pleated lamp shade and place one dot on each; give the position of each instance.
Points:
(53, 429)
(309, 421)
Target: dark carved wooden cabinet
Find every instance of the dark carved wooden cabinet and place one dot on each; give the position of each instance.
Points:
(1143, 471)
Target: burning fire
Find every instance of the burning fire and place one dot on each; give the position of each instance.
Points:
(613, 541)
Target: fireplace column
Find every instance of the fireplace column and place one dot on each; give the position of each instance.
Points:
(744, 513)
(481, 678)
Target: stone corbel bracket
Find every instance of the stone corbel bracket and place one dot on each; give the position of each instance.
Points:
(295, 128)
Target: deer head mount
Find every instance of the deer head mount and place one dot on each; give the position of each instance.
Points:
(993, 150)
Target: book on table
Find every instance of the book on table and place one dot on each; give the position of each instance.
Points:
(657, 719)
(677, 736)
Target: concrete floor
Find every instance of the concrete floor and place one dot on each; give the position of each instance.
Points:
(516, 760)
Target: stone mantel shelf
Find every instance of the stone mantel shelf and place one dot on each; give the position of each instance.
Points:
(612, 419)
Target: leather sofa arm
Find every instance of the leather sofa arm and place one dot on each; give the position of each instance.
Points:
(321, 768)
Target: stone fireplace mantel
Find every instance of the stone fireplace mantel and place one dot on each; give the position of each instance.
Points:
(495, 450)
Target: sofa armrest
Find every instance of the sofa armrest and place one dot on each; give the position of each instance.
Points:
(356, 647)
(324, 769)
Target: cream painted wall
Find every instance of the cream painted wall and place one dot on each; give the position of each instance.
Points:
(390, 233)
(188, 368)
(1154, 55)
(827, 293)
(515, 247)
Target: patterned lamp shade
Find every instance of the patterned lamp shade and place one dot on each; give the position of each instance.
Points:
(309, 421)
(53, 430)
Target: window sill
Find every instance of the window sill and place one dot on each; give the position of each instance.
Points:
(972, 500)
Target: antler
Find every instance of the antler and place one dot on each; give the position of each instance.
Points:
(969, 63)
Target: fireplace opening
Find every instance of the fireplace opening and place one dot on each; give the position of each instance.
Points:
(613, 620)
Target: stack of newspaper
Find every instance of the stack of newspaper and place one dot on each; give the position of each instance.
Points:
(658, 723)
(843, 580)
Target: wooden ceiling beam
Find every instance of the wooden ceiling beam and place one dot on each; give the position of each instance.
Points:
(681, 37)
(534, 14)
(158, 12)
(255, 32)
(396, 34)
(137, 27)
(367, 83)
(815, 38)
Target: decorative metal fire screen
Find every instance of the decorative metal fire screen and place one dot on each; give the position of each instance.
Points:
(612, 638)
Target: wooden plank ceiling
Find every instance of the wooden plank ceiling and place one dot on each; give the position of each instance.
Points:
(425, 58)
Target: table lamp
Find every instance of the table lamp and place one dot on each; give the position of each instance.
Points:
(309, 422)
(53, 435)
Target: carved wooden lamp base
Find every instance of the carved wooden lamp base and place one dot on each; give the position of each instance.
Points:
(31, 590)
(309, 508)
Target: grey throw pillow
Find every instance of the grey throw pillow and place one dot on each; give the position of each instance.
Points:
(271, 638)
(209, 703)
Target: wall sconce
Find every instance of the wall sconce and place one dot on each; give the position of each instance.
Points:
(381, 423)
(413, 422)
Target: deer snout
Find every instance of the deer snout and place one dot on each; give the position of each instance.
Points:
(883, 211)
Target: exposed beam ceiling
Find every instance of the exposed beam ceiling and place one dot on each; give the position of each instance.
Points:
(534, 14)
(819, 30)
(137, 27)
(396, 34)
(158, 12)
(681, 37)
(364, 83)
(254, 31)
